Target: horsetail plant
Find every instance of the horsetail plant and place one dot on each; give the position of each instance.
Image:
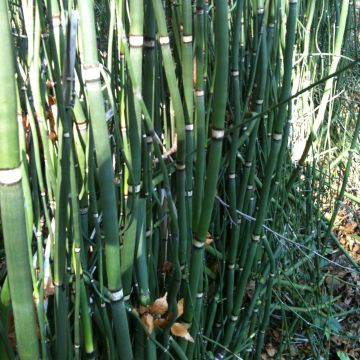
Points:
(154, 201)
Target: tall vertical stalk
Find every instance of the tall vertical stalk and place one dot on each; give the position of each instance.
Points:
(217, 134)
(12, 202)
(91, 75)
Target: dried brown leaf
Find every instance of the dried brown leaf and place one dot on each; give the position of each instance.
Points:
(49, 288)
(350, 227)
(180, 307)
(209, 239)
(270, 350)
(142, 310)
(181, 330)
(148, 321)
(161, 322)
(160, 306)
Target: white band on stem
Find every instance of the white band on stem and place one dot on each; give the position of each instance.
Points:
(11, 176)
(164, 40)
(180, 166)
(134, 189)
(234, 318)
(77, 250)
(256, 237)
(56, 22)
(82, 126)
(198, 244)
(232, 176)
(116, 295)
(187, 39)
(189, 127)
(91, 73)
(277, 137)
(136, 40)
(217, 134)
(199, 93)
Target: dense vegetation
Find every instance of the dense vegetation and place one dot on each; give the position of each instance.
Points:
(170, 177)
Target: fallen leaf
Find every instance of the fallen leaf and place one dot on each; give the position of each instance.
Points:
(350, 227)
(49, 288)
(148, 321)
(271, 351)
(181, 330)
(161, 322)
(180, 307)
(160, 306)
(142, 310)
(209, 239)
